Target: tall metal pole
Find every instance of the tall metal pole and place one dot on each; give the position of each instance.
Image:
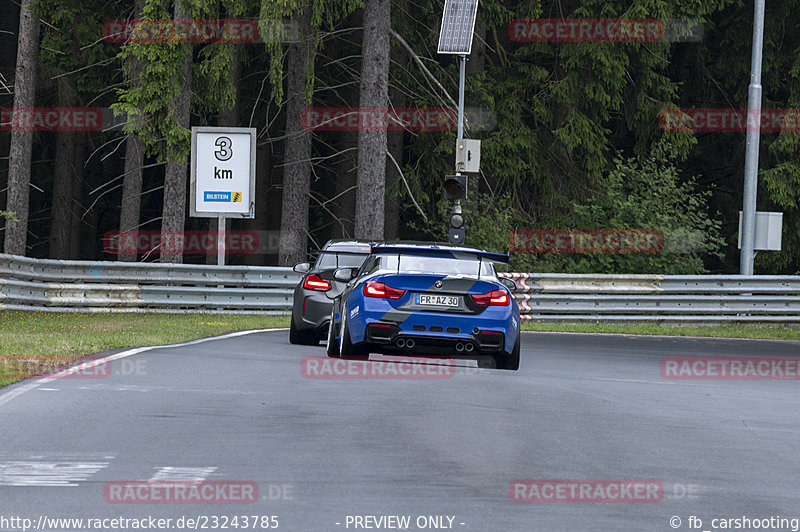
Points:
(462, 74)
(753, 139)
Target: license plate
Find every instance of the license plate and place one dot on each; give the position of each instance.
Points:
(437, 301)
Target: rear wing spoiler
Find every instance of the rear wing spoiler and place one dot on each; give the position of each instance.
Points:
(440, 252)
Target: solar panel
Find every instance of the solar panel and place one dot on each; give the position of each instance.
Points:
(458, 23)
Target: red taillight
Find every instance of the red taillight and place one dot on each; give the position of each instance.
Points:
(315, 282)
(376, 289)
(495, 297)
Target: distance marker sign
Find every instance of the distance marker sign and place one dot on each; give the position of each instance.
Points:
(223, 172)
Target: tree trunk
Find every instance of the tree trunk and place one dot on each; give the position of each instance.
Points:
(267, 211)
(131, 189)
(174, 211)
(19, 167)
(343, 208)
(64, 176)
(297, 150)
(84, 236)
(9, 19)
(230, 117)
(134, 161)
(374, 93)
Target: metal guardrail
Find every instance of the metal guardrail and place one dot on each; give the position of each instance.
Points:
(547, 297)
(85, 286)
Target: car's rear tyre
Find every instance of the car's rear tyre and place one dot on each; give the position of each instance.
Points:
(510, 360)
(298, 337)
(333, 342)
(346, 347)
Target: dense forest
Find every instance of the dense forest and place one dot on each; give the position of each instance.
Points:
(573, 131)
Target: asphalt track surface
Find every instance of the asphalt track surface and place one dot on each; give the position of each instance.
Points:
(241, 409)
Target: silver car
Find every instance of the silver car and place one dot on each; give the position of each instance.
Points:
(314, 295)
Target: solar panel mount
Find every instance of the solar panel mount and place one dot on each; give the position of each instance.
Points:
(458, 23)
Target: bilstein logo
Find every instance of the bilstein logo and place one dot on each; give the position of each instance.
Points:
(222, 196)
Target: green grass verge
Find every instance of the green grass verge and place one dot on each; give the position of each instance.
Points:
(770, 332)
(43, 339)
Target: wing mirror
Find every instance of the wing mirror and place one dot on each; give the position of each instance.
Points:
(303, 267)
(508, 283)
(344, 274)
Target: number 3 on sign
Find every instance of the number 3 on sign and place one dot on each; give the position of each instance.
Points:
(225, 151)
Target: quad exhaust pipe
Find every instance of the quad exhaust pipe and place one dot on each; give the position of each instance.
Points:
(409, 343)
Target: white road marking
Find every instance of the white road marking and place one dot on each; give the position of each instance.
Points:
(193, 474)
(19, 390)
(55, 474)
(636, 380)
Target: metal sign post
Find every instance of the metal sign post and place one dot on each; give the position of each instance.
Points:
(223, 173)
(221, 240)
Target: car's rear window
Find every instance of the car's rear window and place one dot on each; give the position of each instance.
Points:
(329, 260)
(458, 264)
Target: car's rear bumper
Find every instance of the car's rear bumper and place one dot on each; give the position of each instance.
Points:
(391, 338)
(311, 311)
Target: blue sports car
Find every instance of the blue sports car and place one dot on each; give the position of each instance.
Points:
(426, 299)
